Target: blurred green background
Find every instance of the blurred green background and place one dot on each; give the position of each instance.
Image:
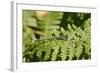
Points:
(56, 36)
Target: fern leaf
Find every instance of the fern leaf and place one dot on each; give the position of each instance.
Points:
(55, 52)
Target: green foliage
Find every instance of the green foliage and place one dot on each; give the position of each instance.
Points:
(43, 41)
